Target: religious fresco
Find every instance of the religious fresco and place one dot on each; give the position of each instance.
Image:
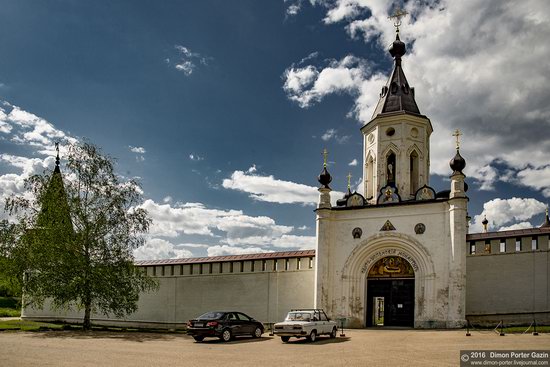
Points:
(391, 267)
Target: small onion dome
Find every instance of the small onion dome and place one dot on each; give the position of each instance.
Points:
(398, 48)
(466, 186)
(457, 163)
(324, 178)
(485, 221)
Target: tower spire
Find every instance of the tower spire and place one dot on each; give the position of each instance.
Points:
(397, 95)
(57, 170)
(324, 178)
(458, 163)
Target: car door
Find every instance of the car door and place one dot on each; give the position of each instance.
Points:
(234, 323)
(247, 325)
(327, 327)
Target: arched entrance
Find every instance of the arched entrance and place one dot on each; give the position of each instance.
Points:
(390, 293)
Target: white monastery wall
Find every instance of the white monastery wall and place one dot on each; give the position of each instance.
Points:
(266, 291)
(510, 286)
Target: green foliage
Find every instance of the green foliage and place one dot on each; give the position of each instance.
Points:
(10, 302)
(72, 243)
(10, 307)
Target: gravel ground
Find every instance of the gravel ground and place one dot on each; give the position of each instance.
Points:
(358, 348)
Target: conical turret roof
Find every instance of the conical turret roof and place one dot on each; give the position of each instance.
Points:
(397, 95)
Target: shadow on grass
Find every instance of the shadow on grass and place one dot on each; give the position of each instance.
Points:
(236, 340)
(320, 340)
(135, 336)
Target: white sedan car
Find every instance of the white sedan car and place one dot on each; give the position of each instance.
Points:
(308, 323)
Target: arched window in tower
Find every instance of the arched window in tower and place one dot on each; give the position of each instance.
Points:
(370, 178)
(413, 171)
(390, 169)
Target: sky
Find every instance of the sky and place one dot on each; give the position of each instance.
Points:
(221, 109)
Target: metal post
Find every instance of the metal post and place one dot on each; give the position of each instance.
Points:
(535, 328)
(468, 328)
(501, 328)
(342, 327)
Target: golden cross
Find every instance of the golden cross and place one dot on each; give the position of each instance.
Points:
(325, 154)
(396, 16)
(349, 180)
(457, 135)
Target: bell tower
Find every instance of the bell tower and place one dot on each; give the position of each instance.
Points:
(396, 140)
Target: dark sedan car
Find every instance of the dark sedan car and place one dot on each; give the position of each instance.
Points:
(224, 325)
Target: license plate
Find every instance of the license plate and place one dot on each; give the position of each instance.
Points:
(199, 324)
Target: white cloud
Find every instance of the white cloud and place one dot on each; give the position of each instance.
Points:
(139, 150)
(167, 199)
(32, 130)
(537, 178)
(34, 135)
(475, 65)
(353, 163)
(522, 225)
(333, 134)
(307, 85)
(228, 229)
(505, 212)
(195, 157)
(328, 134)
(156, 248)
(272, 190)
(188, 60)
(224, 250)
(303, 228)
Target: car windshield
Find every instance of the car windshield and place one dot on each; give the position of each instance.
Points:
(211, 316)
(298, 316)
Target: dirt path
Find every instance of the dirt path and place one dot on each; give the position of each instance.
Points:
(358, 348)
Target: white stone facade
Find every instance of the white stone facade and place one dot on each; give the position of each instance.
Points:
(342, 261)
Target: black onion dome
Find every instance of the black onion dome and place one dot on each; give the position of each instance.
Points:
(457, 163)
(485, 221)
(324, 178)
(398, 48)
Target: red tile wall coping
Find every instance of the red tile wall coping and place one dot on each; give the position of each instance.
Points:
(508, 234)
(212, 259)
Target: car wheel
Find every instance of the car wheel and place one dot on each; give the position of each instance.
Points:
(333, 333)
(226, 335)
(285, 339)
(198, 338)
(257, 333)
(312, 336)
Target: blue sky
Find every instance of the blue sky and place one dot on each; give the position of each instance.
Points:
(222, 109)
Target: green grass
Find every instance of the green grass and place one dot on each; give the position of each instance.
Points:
(513, 329)
(28, 325)
(521, 329)
(45, 326)
(9, 312)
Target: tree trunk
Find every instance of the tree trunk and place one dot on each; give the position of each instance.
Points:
(87, 325)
